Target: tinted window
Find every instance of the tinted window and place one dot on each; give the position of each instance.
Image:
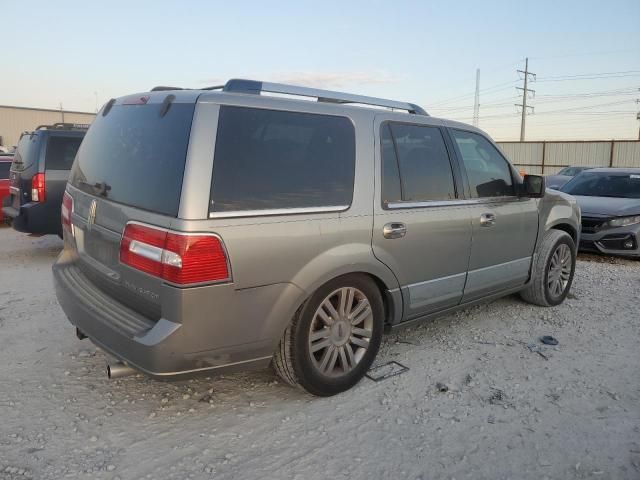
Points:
(4, 170)
(135, 156)
(267, 159)
(604, 185)
(423, 162)
(26, 153)
(61, 151)
(488, 172)
(391, 188)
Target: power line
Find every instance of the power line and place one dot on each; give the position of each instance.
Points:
(467, 95)
(592, 76)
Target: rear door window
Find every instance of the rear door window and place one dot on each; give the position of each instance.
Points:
(416, 166)
(61, 151)
(267, 159)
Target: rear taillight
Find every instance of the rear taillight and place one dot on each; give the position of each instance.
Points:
(37, 188)
(176, 257)
(66, 210)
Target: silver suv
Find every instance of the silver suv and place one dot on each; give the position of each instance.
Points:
(233, 227)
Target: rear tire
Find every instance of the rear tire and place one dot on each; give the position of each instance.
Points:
(333, 338)
(553, 270)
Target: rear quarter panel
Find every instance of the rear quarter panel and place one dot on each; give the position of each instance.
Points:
(302, 250)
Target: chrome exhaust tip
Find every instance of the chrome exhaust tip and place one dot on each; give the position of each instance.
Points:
(119, 370)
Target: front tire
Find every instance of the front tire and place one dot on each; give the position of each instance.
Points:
(552, 273)
(333, 338)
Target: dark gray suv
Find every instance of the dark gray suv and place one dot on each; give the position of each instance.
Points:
(222, 229)
(38, 177)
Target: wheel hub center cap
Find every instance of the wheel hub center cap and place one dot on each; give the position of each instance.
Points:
(340, 332)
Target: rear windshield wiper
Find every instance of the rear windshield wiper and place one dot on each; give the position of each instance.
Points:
(99, 188)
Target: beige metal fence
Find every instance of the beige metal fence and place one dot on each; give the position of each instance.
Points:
(549, 157)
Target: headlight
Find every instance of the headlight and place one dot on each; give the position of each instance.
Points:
(624, 221)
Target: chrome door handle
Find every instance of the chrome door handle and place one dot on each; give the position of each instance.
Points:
(394, 230)
(487, 219)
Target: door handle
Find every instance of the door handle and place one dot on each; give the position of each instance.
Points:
(487, 219)
(394, 230)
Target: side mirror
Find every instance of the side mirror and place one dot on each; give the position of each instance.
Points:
(533, 186)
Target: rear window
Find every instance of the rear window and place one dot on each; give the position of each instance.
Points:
(61, 151)
(266, 159)
(26, 153)
(135, 156)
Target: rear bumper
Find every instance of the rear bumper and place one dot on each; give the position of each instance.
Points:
(34, 218)
(220, 340)
(622, 241)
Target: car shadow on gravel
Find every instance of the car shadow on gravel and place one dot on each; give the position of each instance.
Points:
(35, 249)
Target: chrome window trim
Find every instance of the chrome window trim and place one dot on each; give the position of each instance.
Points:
(450, 203)
(278, 211)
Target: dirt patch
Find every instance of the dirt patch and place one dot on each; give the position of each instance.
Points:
(506, 411)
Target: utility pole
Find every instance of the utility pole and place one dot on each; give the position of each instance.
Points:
(638, 117)
(525, 92)
(61, 112)
(476, 103)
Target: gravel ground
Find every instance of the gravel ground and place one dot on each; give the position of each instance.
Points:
(564, 412)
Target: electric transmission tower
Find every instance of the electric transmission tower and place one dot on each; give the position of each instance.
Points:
(476, 102)
(525, 93)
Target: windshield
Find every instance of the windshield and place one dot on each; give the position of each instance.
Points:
(136, 156)
(604, 185)
(571, 171)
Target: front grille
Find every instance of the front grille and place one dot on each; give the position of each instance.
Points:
(592, 225)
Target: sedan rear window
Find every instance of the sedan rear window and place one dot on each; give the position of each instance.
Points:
(135, 155)
(266, 159)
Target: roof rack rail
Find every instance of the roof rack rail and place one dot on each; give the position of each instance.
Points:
(63, 126)
(163, 88)
(256, 87)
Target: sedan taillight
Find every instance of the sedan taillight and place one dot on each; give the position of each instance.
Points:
(179, 258)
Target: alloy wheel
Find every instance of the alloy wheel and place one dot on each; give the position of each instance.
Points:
(559, 270)
(340, 331)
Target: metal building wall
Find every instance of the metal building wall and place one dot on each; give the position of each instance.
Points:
(549, 157)
(521, 154)
(15, 120)
(626, 154)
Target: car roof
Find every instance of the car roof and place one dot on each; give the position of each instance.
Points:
(620, 170)
(295, 95)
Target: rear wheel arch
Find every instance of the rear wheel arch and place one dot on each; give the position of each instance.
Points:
(387, 299)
